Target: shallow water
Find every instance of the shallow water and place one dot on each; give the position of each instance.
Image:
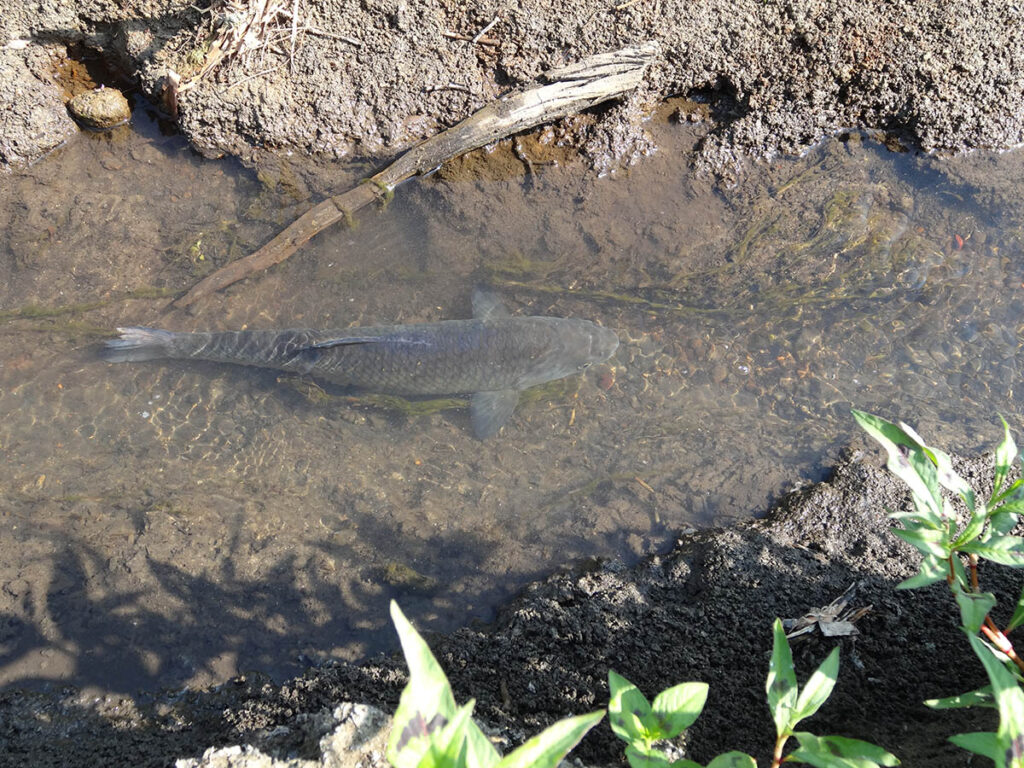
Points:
(168, 524)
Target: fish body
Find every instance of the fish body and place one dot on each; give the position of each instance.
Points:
(492, 356)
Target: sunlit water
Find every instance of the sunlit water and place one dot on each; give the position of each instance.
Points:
(170, 523)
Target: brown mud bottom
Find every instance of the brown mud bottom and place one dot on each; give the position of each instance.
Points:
(701, 612)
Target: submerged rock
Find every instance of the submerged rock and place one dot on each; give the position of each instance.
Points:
(101, 109)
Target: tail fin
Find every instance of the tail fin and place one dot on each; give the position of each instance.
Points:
(138, 344)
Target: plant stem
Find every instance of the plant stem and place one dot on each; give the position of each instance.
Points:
(780, 742)
(1001, 642)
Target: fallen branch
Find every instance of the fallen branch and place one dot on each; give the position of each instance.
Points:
(568, 90)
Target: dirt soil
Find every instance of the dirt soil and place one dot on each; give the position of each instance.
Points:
(339, 78)
(700, 612)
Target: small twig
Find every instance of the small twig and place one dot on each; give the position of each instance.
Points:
(485, 30)
(169, 95)
(566, 91)
(295, 32)
(252, 77)
(343, 38)
(468, 39)
(645, 486)
(449, 87)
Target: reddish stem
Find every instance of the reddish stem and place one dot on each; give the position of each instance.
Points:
(1001, 642)
(777, 757)
(973, 560)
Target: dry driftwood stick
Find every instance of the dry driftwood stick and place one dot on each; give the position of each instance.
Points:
(568, 90)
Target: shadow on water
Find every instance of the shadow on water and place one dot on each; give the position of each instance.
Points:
(162, 625)
(181, 624)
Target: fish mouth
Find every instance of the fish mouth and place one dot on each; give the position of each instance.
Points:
(603, 343)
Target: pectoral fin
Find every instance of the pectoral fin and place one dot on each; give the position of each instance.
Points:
(487, 305)
(490, 410)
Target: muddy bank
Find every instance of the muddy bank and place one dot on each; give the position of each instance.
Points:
(700, 612)
(344, 78)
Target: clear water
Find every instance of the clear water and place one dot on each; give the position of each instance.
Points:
(164, 524)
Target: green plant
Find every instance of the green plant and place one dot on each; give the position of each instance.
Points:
(640, 724)
(431, 731)
(950, 552)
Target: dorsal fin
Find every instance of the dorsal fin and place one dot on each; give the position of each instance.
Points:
(487, 305)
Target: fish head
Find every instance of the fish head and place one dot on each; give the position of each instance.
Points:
(603, 343)
(574, 345)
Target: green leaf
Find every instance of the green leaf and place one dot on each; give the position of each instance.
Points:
(1018, 614)
(818, 688)
(1012, 493)
(933, 569)
(1015, 505)
(426, 705)
(628, 710)
(646, 758)
(947, 476)
(781, 685)
(920, 476)
(980, 698)
(448, 747)
(1006, 550)
(684, 763)
(733, 760)
(444, 746)
(1009, 701)
(974, 607)
(1005, 455)
(959, 572)
(952, 481)
(676, 708)
(1003, 521)
(984, 744)
(547, 748)
(480, 751)
(973, 529)
(915, 519)
(836, 751)
(927, 541)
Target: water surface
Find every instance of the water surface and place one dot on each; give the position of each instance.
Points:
(168, 523)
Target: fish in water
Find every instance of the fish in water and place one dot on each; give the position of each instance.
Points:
(493, 357)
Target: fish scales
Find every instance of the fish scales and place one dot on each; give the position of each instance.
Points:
(451, 356)
(493, 356)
